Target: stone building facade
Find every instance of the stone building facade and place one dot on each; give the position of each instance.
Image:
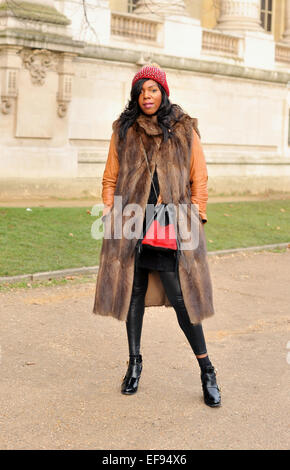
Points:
(65, 75)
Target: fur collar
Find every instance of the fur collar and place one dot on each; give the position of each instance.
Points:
(149, 124)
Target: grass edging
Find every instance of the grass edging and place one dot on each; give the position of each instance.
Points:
(51, 274)
(94, 269)
(250, 248)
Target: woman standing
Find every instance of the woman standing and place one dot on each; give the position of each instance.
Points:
(155, 156)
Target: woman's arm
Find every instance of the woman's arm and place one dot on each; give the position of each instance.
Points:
(110, 176)
(198, 177)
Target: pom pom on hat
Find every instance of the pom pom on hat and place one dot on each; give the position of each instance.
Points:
(154, 72)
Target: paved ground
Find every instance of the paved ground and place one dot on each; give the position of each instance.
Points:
(47, 202)
(61, 368)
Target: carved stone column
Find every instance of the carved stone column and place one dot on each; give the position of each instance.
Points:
(65, 77)
(51, 50)
(10, 65)
(161, 8)
(239, 16)
(286, 35)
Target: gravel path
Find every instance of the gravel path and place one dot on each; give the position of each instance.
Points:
(61, 368)
(48, 202)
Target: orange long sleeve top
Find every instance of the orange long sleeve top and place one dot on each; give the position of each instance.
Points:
(198, 176)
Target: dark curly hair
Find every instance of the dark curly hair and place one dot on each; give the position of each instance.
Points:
(167, 112)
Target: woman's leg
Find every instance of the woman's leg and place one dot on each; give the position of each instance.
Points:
(193, 332)
(134, 329)
(136, 311)
(195, 337)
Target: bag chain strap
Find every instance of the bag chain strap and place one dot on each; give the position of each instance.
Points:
(146, 158)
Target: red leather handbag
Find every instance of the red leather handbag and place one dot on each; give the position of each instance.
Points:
(160, 230)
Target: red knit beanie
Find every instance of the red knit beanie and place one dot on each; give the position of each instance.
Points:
(155, 73)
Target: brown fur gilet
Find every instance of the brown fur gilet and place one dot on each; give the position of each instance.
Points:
(116, 268)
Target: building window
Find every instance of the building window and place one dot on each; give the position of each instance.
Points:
(132, 5)
(266, 14)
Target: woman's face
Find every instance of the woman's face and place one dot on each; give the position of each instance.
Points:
(150, 97)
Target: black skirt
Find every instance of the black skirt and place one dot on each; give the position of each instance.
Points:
(156, 260)
(153, 258)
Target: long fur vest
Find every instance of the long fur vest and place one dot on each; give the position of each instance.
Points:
(117, 259)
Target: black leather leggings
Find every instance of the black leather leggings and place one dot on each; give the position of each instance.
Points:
(171, 283)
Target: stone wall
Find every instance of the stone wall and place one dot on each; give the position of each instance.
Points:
(60, 95)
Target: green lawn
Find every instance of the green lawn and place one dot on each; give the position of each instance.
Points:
(242, 224)
(46, 239)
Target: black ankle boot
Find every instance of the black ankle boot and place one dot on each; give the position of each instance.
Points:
(211, 391)
(131, 379)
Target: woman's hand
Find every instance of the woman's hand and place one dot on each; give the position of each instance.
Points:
(106, 210)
